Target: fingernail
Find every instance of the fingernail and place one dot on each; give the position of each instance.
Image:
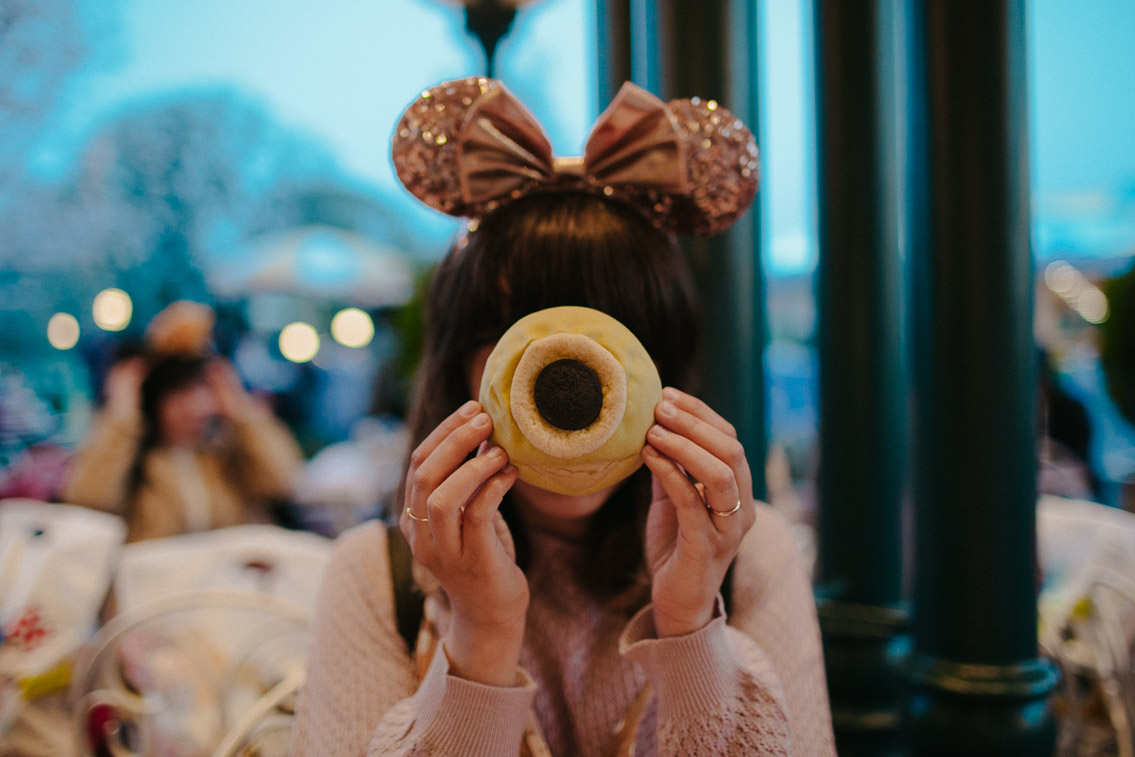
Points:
(667, 409)
(468, 409)
(510, 468)
(658, 432)
(496, 453)
(649, 451)
(670, 393)
(482, 421)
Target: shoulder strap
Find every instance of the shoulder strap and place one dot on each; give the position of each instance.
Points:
(408, 599)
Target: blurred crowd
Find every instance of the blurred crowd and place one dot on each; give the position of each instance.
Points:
(179, 443)
(186, 489)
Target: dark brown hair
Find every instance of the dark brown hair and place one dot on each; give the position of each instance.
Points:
(167, 374)
(548, 250)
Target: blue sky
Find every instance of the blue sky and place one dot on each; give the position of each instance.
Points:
(341, 71)
(1082, 70)
(1083, 95)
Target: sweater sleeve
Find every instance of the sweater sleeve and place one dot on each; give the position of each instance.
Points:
(452, 717)
(361, 696)
(717, 692)
(265, 455)
(756, 685)
(100, 474)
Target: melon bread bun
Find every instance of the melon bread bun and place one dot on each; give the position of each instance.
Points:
(571, 392)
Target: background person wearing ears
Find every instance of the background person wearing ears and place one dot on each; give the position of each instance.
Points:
(591, 624)
(179, 445)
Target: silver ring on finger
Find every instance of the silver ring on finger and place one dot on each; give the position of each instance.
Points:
(719, 513)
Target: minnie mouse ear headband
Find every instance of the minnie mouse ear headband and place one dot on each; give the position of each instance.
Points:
(468, 146)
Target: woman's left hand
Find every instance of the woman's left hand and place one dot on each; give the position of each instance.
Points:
(694, 528)
(223, 379)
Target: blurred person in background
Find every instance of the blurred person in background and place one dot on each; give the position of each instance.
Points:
(1065, 439)
(179, 445)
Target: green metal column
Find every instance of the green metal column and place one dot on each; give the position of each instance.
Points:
(976, 683)
(645, 53)
(863, 434)
(707, 48)
(613, 34)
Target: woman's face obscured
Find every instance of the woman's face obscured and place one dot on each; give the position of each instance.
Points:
(186, 415)
(564, 514)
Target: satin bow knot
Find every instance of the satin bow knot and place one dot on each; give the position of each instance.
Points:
(634, 143)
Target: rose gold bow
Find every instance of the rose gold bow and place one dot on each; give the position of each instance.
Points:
(635, 142)
(467, 146)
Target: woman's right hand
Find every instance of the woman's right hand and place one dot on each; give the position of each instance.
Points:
(458, 533)
(124, 385)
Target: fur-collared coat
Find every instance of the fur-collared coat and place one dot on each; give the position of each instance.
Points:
(169, 492)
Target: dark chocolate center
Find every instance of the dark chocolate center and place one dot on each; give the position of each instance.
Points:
(568, 394)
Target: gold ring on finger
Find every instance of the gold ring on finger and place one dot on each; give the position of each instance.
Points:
(721, 513)
(420, 519)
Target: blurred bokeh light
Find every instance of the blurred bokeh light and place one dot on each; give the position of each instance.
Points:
(63, 331)
(112, 309)
(299, 342)
(352, 328)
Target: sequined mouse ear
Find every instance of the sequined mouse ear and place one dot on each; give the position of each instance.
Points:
(722, 165)
(465, 146)
(424, 145)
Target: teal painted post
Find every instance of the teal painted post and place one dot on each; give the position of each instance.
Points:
(977, 685)
(613, 37)
(708, 48)
(863, 434)
(645, 66)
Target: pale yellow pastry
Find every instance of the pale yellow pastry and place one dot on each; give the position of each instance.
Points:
(571, 392)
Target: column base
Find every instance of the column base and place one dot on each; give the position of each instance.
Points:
(865, 647)
(955, 708)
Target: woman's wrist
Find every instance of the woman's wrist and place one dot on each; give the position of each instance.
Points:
(488, 655)
(680, 625)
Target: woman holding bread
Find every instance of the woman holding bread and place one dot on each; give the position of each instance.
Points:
(598, 577)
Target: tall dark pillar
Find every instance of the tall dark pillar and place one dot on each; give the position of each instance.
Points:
(863, 434)
(708, 48)
(645, 44)
(977, 685)
(613, 33)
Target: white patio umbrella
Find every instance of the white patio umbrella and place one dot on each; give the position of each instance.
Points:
(320, 262)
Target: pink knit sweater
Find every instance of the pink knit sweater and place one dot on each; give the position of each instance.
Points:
(752, 687)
